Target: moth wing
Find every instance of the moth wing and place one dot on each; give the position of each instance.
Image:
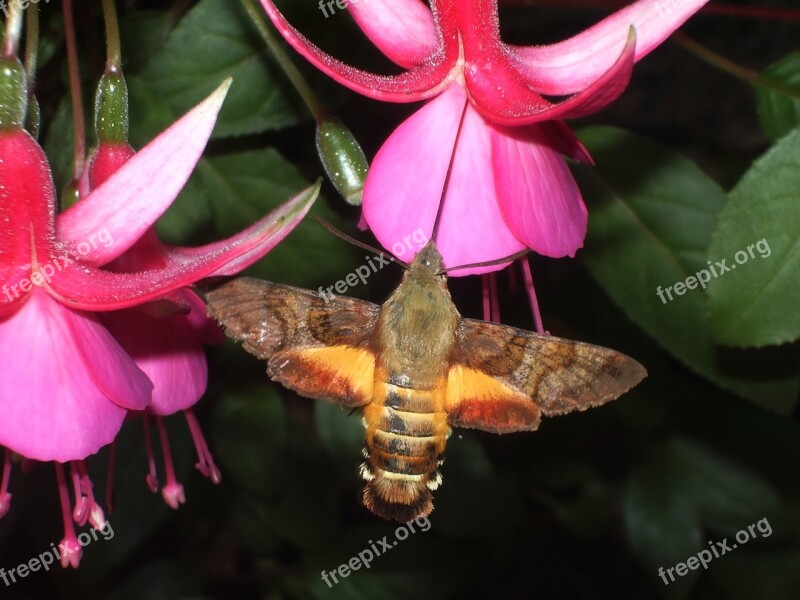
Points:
(320, 348)
(504, 379)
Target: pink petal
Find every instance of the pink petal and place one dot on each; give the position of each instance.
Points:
(169, 350)
(566, 67)
(404, 186)
(538, 195)
(417, 84)
(403, 30)
(89, 288)
(131, 200)
(58, 366)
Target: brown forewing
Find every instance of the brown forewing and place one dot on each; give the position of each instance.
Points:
(321, 349)
(556, 376)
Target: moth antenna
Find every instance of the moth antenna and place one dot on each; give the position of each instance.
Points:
(487, 263)
(449, 172)
(342, 235)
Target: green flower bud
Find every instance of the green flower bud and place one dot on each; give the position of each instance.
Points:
(111, 109)
(342, 158)
(13, 93)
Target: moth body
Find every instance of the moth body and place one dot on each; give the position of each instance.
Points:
(416, 368)
(406, 422)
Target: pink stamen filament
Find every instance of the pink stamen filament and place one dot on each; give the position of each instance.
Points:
(73, 555)
(205, 461)
(172, 491)
(152, 477)
(537, 316)
(81, 511)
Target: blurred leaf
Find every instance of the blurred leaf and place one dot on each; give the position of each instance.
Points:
(212, 42)
(234, 190)
(341, 433)
(757, 304)
(143, 33)
(662, 524)
(760, 570)
(58, 144)
(780, 112)
(681, 489)
(249, 434)
(158, 580)
(652, 212)
(473, 492)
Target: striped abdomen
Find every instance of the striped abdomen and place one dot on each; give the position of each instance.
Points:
(406, 433)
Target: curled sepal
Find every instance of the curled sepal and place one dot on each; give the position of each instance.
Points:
(342, 158)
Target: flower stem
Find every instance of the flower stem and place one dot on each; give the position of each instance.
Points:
(731, 68)
(31, 46)
(312, 102)
(13, 30)
(113, 46)
(78, 122)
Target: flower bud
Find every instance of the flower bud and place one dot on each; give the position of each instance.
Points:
(111, 109)
(13, 93)
(342, 158)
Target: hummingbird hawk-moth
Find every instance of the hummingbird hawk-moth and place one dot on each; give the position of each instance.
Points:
(417, 368)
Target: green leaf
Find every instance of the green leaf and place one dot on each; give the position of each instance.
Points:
(679, 491)
(759, 233)
(780, 111)
(228, 193)
(341, 434)
(212, 42)
(249, 434)
(652, 212)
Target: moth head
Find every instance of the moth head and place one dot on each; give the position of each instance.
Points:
(427, 263)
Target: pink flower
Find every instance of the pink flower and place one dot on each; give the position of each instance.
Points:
(66, 383)
(510, 186)
(168, 348)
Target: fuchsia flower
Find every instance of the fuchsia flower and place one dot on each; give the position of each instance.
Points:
(510, 186)
(66, 382)
(169, 348)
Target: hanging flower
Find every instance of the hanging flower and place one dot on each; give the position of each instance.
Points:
(488, 108)
(168, 348)
(66, 382)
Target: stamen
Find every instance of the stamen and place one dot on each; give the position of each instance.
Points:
(152, 478)
(487, 303)
(69, 548)
(537, 316)
(96, 517)
(172, 491)
(5, 496)
(494, 299)
(205, 461)
(81, 511)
